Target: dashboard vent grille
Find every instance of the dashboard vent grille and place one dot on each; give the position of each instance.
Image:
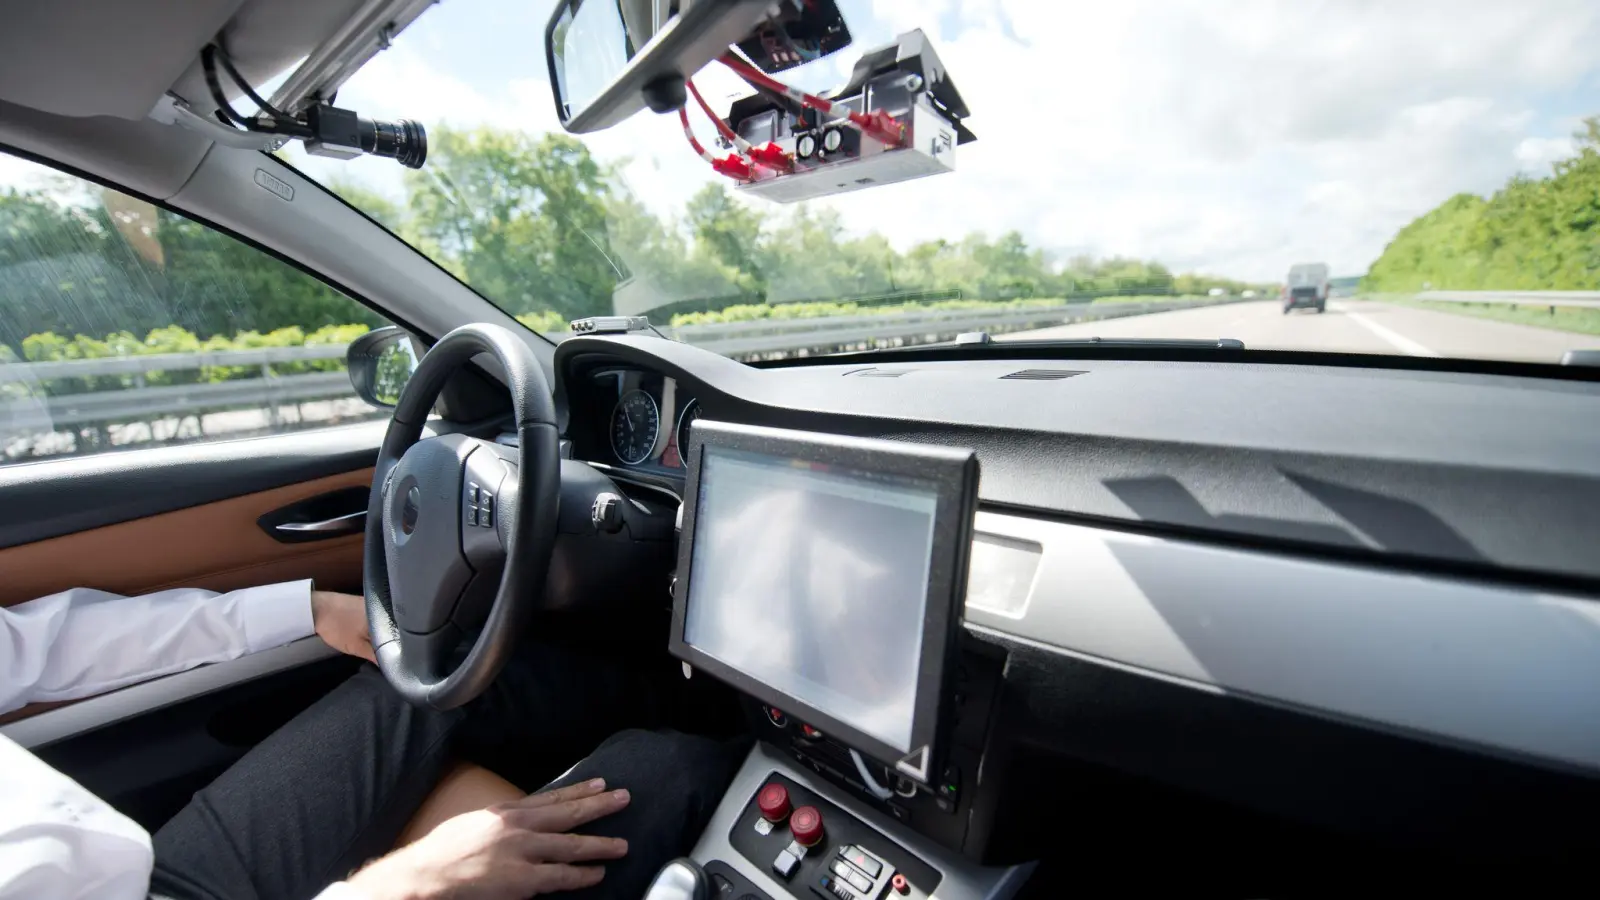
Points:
(880, 373)
(1042, 374)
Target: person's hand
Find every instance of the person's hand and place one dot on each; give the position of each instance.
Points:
(511, 850)
(341, 622)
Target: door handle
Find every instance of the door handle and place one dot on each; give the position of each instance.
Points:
(349, 523)
(324, 517)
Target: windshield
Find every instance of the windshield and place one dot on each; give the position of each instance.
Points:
(1413, 180)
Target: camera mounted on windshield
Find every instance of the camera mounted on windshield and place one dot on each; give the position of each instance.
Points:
(311, 117)
(898, 117)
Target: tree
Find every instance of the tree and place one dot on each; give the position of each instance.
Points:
(388, 213)
(728, 234)
(522, 219)
(1532, 234)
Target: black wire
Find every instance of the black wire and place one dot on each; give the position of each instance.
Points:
(281, 124)
(208, 64)
(268, 108)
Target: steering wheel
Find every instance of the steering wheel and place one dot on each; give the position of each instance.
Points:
(459, 530)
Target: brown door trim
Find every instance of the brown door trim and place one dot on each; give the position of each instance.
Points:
(218, 546)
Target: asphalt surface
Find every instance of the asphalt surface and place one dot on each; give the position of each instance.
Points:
(1352, 326)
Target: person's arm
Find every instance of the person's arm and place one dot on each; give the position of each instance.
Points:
(59, 840)
(82, 642)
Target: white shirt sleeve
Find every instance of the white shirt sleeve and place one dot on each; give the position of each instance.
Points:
(82, 642)
(58, 840)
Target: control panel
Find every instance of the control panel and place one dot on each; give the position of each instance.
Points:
(823, 852)
(949, 810)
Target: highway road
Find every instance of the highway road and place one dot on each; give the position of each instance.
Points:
(1358, 326)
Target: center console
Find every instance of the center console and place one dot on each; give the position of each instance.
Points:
(855, 851)
(823, 577)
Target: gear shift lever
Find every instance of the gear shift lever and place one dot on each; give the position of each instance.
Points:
(681, 879)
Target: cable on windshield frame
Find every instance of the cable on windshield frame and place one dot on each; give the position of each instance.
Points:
(880, 125)
(732, 165)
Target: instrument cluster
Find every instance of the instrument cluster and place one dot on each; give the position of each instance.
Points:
(649, 417)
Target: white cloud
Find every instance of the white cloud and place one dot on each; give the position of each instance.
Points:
(1536, 154)
(1234, 138)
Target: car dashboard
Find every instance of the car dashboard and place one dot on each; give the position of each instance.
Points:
(1362, 600)
(634, 418)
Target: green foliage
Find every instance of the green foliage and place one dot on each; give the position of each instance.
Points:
(394, 369)
(753, 312)
(534, 222)
(125, 266)
(51, 347)
(1533, 234)
(1561, 318)
(520, 218)
(543, 322)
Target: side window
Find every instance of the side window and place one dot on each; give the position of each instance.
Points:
(124, 325)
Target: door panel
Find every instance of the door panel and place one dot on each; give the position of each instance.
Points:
(218, 546)
(185, 516)
(55, 497)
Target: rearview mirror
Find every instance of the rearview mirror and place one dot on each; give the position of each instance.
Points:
(611, 58)
(380, 363)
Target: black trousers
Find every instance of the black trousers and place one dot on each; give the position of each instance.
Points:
(334, 787)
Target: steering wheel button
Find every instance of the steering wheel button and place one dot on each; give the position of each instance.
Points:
(773, 801)
(472, 493)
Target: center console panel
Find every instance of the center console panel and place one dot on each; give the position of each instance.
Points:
(809, 842)
(955, 811)
(823, 843)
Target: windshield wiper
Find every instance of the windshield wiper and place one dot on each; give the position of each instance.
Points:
(983, 338)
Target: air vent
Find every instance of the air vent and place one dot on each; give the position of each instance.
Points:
(880, 373)
(1042, 374)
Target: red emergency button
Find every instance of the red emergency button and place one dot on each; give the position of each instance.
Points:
(900, 884)
(805, 824)
(773, 802)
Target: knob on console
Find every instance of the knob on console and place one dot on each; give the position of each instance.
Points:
(805, 824)
(773, 801)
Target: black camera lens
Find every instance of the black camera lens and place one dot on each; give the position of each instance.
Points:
(402, 140)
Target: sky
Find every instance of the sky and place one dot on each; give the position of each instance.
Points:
(1233, 138)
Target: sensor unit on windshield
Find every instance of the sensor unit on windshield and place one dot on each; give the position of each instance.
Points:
(902, 120)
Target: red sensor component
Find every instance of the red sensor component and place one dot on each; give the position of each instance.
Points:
(884, 127)
(772, 156)
(733, 167)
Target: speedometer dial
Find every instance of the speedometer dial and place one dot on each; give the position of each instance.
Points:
(689, 414)
(635, 425)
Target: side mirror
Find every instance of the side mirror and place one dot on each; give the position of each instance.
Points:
(380, 362)
(611, 58)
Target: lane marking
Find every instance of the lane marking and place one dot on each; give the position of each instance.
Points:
(1399, 341)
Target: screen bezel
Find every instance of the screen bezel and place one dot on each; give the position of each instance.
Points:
(954, 476)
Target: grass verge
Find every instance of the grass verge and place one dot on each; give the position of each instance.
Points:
(1578, 319)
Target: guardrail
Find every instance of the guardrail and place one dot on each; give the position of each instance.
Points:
(1584, 299)
(143, 404)
(139, 366)
(33, 409)
(39, 410)
(785, 336)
